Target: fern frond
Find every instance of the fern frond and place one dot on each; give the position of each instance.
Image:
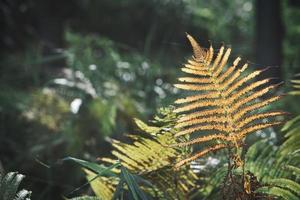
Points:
(145, 154)
(276, 166)
(203, 113)
(199, 53)
(295, 170)
(279, 192)
(152, 158)
(288, 184)
(221, 128)
(85, 198)
(9, 185)
(103, 187)
(227, 103)
(148, 154)
(296, 86)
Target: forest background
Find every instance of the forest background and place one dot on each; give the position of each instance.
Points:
(75, 73)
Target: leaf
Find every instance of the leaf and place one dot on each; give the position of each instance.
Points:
(226, 104)
(23, 195)
(9, 185)
(102, 186)
(85, 198)
(135, 190)
(276, 191)
(148, 129)
(296, 86)
(131, 181)
(294, 169)
(275, 166)
(290, 123)
(119, 189)
(100, 177)
(99, 169)
(150, 159)
(286, 183)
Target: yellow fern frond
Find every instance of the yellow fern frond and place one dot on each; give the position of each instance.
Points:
(145, 154)
(199, 53)
(103, 187)
(210, 95)
(148, 154)
(227, 104)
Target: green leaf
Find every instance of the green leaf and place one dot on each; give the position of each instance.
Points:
(9, 185)
(277, 191)
(134, 189)
(148, 129)
(85, 198)
(99, 169)
(286, 183)
(294, 93)
(14, 184)
(6, 185)
(139, 179)
(103, 187)
(119, 189)
(132, 185)
(23, 195)
(294, 169)
(290, 123)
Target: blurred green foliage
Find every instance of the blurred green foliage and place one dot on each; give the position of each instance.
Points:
(291, 17)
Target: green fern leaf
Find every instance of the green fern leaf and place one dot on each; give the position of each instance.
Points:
(286, 183)
(295, 170)
(9, 185)
(279, 192)
(85, 198)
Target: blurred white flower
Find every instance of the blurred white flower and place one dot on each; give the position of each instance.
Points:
(123, 65)
(161, 93)
(212, 161)
(93, 67)
(75, 105)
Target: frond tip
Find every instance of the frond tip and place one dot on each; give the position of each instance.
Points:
(227, 102)
(199, 53)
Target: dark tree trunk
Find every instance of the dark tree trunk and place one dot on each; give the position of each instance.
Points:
(269, 36)
(49, 22)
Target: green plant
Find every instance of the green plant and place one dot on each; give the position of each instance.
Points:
(223, 109)
(229, 107)
(108, 182)
(147, 156)
(9, 185)
(271, 169)
(85, 198)
(276, 167)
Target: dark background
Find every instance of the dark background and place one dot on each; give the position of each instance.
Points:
(75, 73)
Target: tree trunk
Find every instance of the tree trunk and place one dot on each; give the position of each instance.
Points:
(269, 36)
